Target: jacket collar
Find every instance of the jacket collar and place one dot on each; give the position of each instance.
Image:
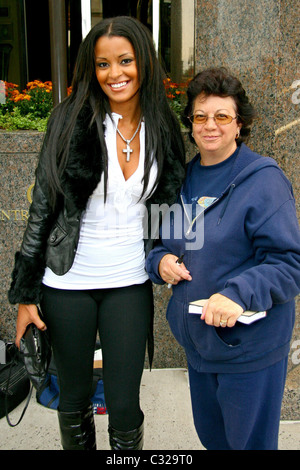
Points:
(85, 163)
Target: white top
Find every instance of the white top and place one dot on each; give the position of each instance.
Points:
(110, 251)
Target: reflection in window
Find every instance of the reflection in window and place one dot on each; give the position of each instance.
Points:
(177, 38)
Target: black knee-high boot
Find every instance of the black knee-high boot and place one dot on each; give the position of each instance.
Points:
(77, 429)
(130, 440)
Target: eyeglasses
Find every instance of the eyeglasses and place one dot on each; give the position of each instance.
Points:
(220, 118)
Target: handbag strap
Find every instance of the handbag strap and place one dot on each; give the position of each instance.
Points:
(13, 361)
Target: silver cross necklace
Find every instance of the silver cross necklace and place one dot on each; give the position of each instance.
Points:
(129, 150)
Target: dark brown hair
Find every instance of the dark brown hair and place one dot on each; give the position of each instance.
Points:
(219, 82)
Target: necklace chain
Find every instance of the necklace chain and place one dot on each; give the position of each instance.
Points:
(128, 149)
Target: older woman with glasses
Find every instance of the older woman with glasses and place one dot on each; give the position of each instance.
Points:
(238, 251)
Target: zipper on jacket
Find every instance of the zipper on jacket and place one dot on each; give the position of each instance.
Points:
(232, 186)
(191, 222)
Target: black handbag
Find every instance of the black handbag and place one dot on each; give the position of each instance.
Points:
(29, 364)
(35, 351)
(14, 384)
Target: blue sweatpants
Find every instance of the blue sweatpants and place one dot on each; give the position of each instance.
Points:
(238, 411)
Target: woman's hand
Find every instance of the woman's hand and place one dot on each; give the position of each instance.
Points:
(171, 272)
(221, 311)
(27, 314)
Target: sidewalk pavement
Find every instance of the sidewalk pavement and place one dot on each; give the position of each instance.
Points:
(168, 420)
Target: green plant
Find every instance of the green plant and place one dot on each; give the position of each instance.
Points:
(27, 110)
(16, 121)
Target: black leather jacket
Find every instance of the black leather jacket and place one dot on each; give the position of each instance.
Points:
(51, 238)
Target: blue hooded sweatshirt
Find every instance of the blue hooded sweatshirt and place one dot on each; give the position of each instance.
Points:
(245, 245)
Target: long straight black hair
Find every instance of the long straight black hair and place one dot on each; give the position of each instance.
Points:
(163, 134)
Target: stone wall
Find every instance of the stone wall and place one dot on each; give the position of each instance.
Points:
(18, 160)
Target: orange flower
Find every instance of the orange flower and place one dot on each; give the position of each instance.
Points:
(21, 97)
(48, 85)
(38, 84)
(10, 85)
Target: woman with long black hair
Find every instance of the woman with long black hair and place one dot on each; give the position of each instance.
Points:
(112, 149)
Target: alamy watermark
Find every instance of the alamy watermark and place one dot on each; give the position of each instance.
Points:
(2, 92)
(295, 356)
(296, 94)
(2, 352)
(168, 222)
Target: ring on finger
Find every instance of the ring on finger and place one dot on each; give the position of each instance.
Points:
(172, 280)
(223, 322)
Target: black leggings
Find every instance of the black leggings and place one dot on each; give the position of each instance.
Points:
(122, 316)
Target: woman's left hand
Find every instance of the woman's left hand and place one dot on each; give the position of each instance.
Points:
(221, 311)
